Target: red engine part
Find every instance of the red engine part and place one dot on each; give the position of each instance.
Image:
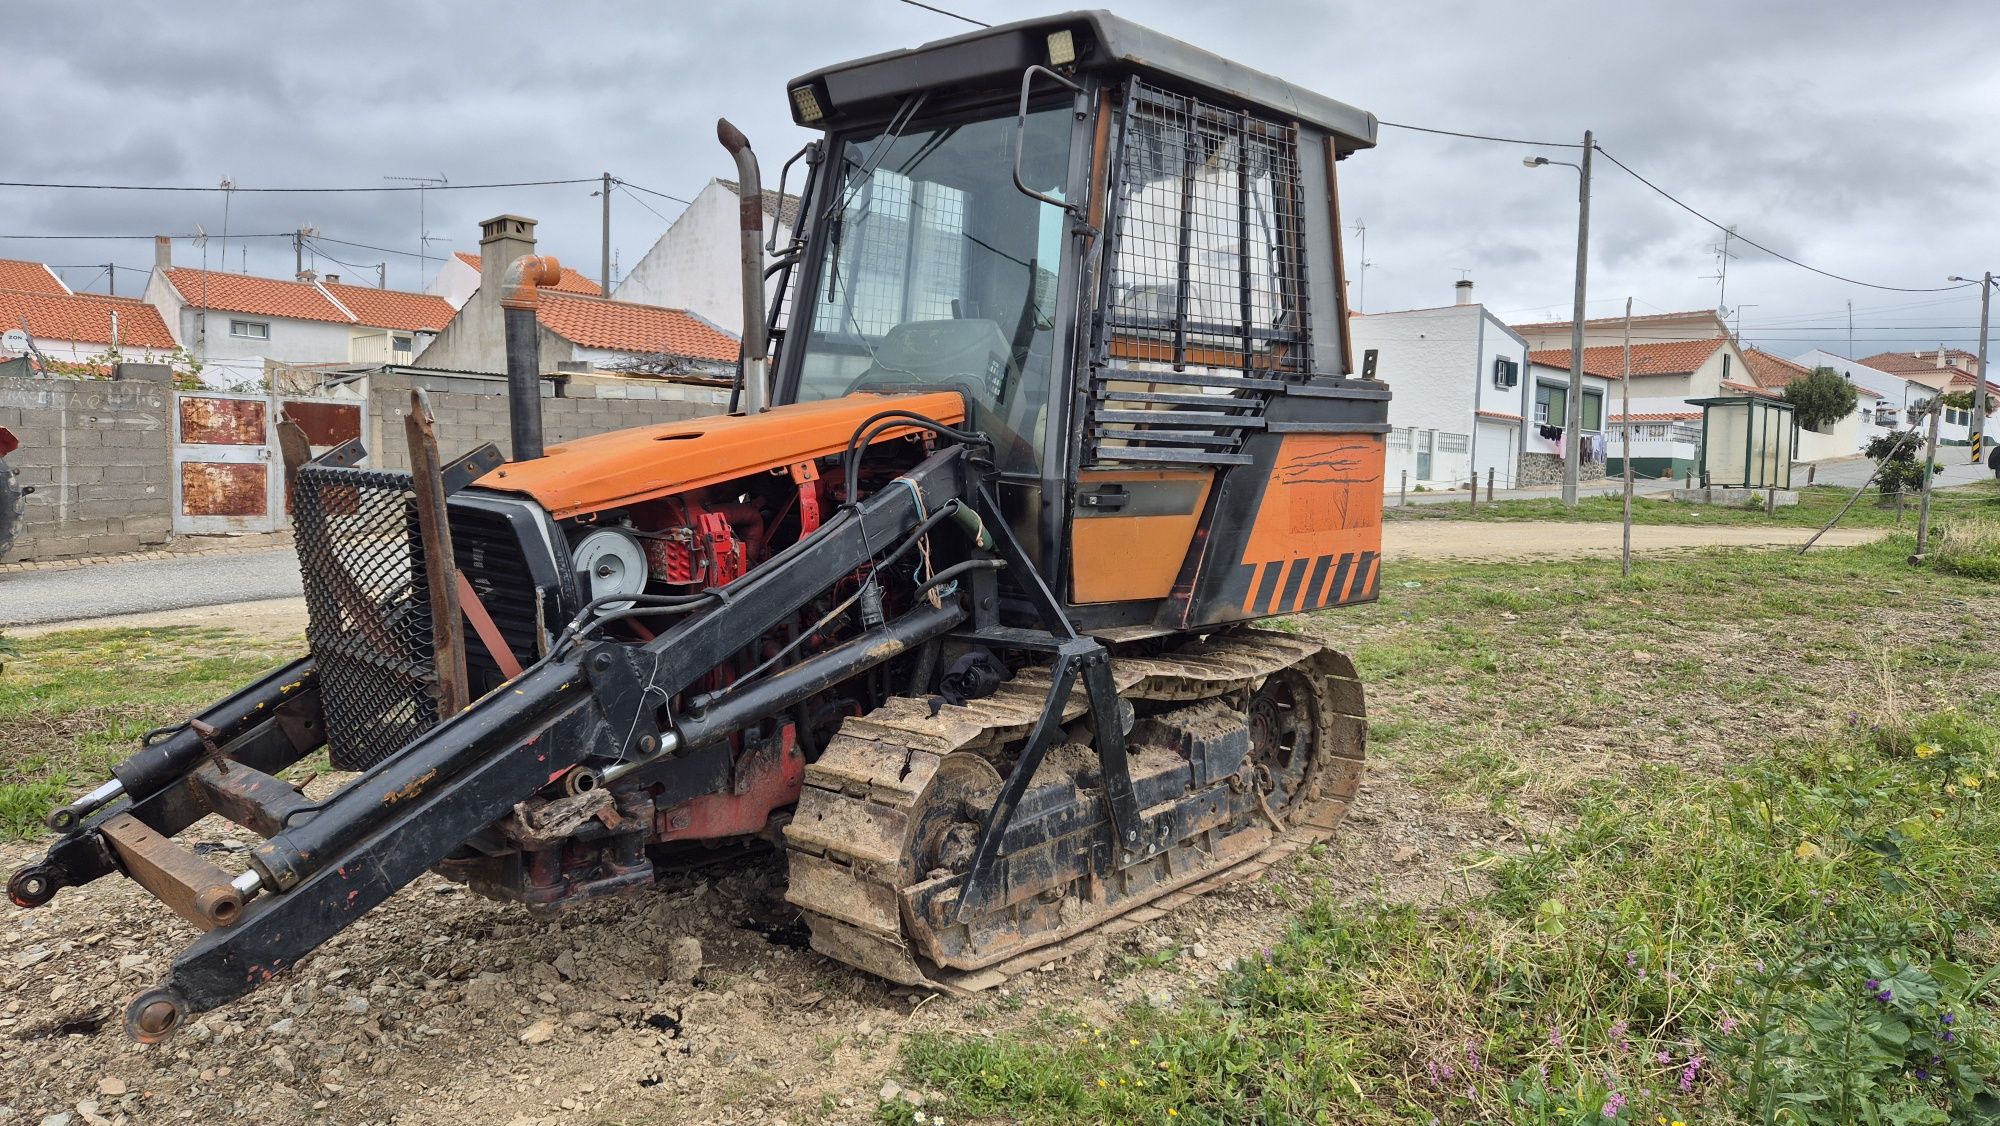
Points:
(766, 779)
(699, 546)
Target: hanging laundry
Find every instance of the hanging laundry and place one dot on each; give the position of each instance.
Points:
(1552, 433)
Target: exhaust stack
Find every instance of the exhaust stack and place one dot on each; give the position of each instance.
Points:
(518, 297)
(750, 223)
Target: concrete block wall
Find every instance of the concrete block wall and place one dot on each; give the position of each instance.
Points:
(471, 410)
(98, 455)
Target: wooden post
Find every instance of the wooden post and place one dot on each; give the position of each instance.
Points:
(1770, 500)
(1812, 471)
(440, 570)
(1403, 494)
(1899, 508)
(1924, 498)
(1475, 494)
(1489, 484)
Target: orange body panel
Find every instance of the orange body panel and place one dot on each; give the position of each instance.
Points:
(628, 466)
(1318, 536)
(1128, 556)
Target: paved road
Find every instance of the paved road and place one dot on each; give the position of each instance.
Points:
(106, 589)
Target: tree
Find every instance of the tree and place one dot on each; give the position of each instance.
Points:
(1902, 468)
(1820, 398)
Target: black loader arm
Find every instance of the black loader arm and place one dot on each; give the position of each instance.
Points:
(590, 700)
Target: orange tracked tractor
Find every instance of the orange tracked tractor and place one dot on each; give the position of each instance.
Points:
(956, 607)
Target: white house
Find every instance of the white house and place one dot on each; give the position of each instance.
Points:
(1460, 396)
(1840, 438)
(458, 279)
(1893, 394)
(1940, 370)
(233, 323)
(694, 265)
(64, 327)
(575, 331)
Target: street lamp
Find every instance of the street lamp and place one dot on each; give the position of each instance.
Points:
(1977, 438)
(1572, 427)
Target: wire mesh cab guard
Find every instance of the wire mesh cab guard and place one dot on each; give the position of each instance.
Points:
(1204, 288)
(368, 618)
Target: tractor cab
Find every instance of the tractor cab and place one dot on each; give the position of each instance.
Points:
(1122, 250)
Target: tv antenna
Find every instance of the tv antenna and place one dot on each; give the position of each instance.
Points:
(1360, 230)
(1721, 274)
(424, 238)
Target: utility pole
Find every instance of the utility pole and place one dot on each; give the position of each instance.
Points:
(1978, 426)
(1573, 452)
(112, 269)
(1625, 407)
(1850, 328)
(605, 257)
(1573, 415)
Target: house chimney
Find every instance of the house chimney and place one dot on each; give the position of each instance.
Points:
(502, 239)
(1465, 291)
(1942, 362)
(333, 279)
(163, 252)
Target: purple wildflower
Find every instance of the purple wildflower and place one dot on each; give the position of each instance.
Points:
(1471, 1060)
(1946, 1018)
(1688, 1073)
(1728, 1025)
(1556, 1037)
(1950, 1036)
(1618, 1035)
(1631, 959)
(1871, 985)
(1663, 1057)
(1614, 1105)
(1886, 995)
(1922, 1074)
(1853, 719)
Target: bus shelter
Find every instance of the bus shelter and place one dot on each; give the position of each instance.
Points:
(1746, 442)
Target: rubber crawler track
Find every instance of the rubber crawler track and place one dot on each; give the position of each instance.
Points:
(846, 844)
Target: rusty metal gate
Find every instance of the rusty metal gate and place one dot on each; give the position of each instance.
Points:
(228, 473)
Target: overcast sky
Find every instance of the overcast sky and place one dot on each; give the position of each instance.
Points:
(1856, 136)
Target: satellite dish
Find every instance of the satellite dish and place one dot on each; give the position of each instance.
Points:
(14, 340)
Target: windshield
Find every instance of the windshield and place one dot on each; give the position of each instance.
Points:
(935, 270)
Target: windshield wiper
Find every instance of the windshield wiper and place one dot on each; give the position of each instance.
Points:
(836, 225)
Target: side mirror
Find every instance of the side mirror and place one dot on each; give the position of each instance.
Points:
(1021, 132)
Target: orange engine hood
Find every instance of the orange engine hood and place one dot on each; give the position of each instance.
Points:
(629, 466)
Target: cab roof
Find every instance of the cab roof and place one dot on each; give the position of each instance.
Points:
(996, 56)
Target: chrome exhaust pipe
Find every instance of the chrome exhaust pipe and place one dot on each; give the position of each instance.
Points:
(755, 373)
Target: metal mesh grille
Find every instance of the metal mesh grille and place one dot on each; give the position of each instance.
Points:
(368, 614)
(1208, 258)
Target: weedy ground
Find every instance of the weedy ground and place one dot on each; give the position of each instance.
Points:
(1754, 878)
(1816, 506)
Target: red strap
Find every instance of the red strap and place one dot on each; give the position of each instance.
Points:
(489, 634)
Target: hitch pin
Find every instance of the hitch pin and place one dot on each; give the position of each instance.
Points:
(248, 884)
(68, 817)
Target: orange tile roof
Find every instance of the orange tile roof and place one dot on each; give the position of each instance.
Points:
(572, 282)
(393, 308)
(1772, 371)
(243, 293)
(1904, 363)
(1672, 357)
(597, 323)
(1619, 320)
(1498, 414)
(1657, 416)
(85, 318)
(1967, 379)
(1752, 390)
(29, 277)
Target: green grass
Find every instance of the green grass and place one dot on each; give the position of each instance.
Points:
(75, 703)
(1681, 733)
(1816, 506)
(1696, 948)
(1969, 546)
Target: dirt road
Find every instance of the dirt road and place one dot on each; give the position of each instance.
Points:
(1555, 539)
(1412, 539)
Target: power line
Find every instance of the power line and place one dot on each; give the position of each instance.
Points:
(1669, 197)
(1484, 137)
(363, 246)
(294, 191)
(148, 238)
(641, 202)
(649, 191)
(942, 12)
